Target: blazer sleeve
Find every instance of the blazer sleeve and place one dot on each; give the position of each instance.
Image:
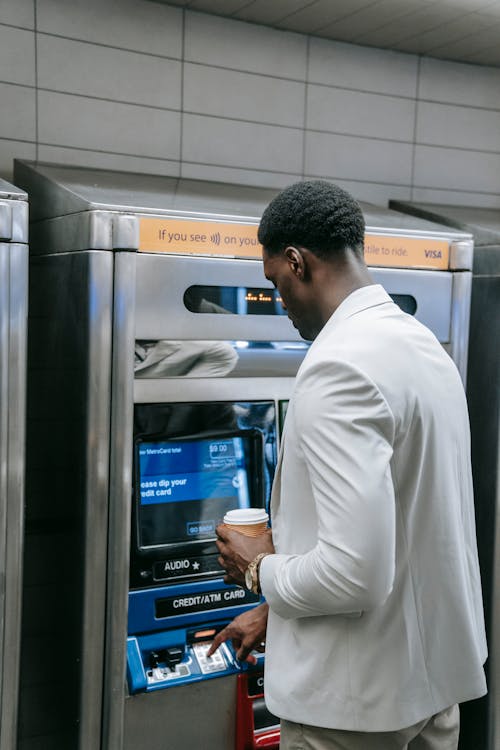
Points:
(344, 430)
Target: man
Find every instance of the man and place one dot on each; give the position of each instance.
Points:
(373, 617)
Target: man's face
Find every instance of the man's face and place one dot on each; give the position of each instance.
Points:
(294, 292)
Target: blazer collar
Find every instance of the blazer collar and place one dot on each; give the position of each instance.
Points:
(361, 299)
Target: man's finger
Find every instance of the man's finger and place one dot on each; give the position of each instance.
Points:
(217, 641)
(221, 531)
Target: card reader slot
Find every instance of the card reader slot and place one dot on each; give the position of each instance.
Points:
(170, 656)
(200, 635)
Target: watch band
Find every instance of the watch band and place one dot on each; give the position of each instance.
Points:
(253, 573)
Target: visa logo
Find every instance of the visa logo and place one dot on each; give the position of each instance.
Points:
(433, 253)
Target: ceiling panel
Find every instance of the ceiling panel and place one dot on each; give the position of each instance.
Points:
(458, 30)
(408, 26)
(262, 11)
(221, 7)
(319, 14)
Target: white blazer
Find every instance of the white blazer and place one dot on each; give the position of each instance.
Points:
(376, 618)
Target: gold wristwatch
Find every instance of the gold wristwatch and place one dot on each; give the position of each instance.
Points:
(252, 574)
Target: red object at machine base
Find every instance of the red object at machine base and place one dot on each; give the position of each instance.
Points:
(247, 738)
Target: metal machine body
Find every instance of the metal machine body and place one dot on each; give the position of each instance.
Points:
(158, 334)
(13, 329)
(481, 719)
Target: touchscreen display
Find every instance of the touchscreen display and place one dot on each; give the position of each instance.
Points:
(185, 487)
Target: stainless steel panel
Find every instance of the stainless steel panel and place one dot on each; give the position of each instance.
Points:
(68, 441)
(432, 291)
(4, 438)
(482, 223)
(494, 707)
(18, 299)
(19, 222)
(462, 255)
(13, 213)
(57, 190)
(90, 230)
(162, 281)
(5, 220)
(200, 716)
(161, 313)
(460, 317)
(96, 494)
(120, 498)
(226, 389)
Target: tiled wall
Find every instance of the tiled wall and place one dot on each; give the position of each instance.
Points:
(140, 86)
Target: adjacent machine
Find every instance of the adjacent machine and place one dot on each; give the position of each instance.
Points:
(13, 328)
(483, 396)
(159, 383)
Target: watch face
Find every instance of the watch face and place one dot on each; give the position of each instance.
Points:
(248, 579)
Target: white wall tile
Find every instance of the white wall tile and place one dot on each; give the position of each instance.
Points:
(18, 13)
(343, 157)
(245, 96)
(456, 83)
(456, 197)
(17, 56)
(130, 24)
(238, 176)
(243, 46)
(109, 73)
(17, 112)
(460, 127)
(83, 123)
(449, 168)
(228, 143)
(100, 160)
(362, 68)
(356, 113)
(10, 150)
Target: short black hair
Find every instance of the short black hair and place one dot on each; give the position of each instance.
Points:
(316, 215)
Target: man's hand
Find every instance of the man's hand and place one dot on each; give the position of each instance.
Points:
(237, 551)
(247, 633)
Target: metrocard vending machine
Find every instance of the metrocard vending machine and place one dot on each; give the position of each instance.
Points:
(159, 382)
(193, 462)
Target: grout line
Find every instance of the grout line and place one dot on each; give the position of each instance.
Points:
(22, 85)
(35, 17)
(109, 46)
(182, 119)
(16, 26)
(415, 121)
(306, 98)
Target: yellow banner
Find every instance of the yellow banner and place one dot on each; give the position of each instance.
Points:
(406, 252)
(198, 238)
(240, 240)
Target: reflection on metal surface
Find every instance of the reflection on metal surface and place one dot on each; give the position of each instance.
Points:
(216, 359)
(195, 359)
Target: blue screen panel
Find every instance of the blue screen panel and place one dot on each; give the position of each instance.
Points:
(186, 487)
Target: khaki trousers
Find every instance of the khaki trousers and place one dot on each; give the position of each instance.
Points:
(440, 732)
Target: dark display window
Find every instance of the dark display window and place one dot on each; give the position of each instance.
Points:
(238, 300)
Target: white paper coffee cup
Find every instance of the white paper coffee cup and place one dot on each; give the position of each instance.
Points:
(248, 521)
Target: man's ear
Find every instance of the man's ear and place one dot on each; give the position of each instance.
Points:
(296, 262)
